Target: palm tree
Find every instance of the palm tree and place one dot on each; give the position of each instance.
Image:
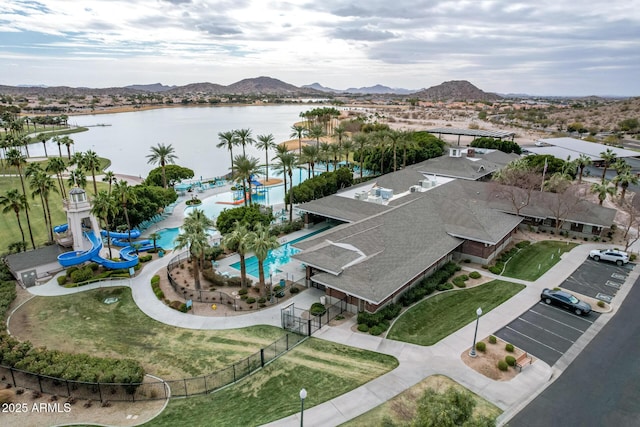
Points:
(194, 236)
(43, 138)
(394, 137)
(298, 131)
(56, 165)
(91, 163)
(104, 206)
(625, 179)
(42, 185)
(582, 162)
(347, 147)
(15, 158)
(608, 157)
(124, 194)
(266, 142)
(78, 178)
(161, 155)
(67, 142)
(243, 169)
(261, 242)
(285, 162)
(603, 190)
(361, 141)
(228, 140)
(336, 151)
(58, 141)
(324, 154)
(110, 178)
(316, 132)
(310, 155)
(238, 241)
(155, 237)
(244, 138)
(16, 202)
(339, 132)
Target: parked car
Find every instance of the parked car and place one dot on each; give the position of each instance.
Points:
(612, 255)
(565, 300)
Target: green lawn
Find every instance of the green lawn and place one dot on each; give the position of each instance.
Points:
(401, 409)
(435, 318)
(534, 260)
(326, 370)
(83, 323)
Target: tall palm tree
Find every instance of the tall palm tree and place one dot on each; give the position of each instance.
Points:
(339, 133)
(154, 238)
(238, 241)
(347, 147)
(582, 162)
(125, 195)
(625, 179)
(194, 237)
(394, 137)
(266, 143)
(244, 138)
(43, 185)
(608, 157)
(603, 190)
(104, 206)
(56, 165)
(261, 242)
(43, 138)
(310, 156)
(67, 142)
(228, 140)
(243, 169)
(91, 163)
(298, 131)
(361, 141)
(15, 158)
(110, 178)
(16, 202)
(78, 178)
(324, 154)
(161, 155)
(285, 162)
(58, 141)
(336, 153)
(316, 132)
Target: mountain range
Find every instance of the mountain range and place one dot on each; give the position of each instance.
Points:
(451, 90)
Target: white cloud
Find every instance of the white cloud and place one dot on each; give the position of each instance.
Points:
(548, 47)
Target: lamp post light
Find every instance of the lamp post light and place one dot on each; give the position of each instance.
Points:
(303, 396)
(472, 353)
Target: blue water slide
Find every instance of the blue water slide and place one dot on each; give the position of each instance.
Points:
(134, 234)
(69, 259)
(60, 228)
(124, 242)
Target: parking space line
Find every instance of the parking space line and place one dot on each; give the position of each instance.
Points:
(562, 323)
(546, 330)
(534, 340)
(559, 310)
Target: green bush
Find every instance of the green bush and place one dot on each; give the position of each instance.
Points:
(262, 300)
(523, 244)
(294, 290)
(492, 339)
(463, 277)
(481, 346)
(496, 269)
(362, 327)
(251, 300)
(461, 284)
(376, 330)
(444, 287)
(243, 291)
(475, 275)
(509, 348)
(7, 295)
(600, 304)
(317, 309)
(155, 280)
(82, 275)
(145, 258)
(62, 280)
(502, 365)
(511, 361)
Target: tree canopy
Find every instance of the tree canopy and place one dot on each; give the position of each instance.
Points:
(174, 174)
(248, 215)
(497, 144)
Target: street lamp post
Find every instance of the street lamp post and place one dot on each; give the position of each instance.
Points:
(303, 396)
(472, 353)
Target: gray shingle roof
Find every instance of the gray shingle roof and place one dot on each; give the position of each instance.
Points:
(342, 208)
(31, 259)
(469, 168)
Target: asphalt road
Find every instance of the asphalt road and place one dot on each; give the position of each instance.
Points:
(601, 387)
(594, 278)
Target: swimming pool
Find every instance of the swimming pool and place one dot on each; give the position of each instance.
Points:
(168, 237)
(275, 257)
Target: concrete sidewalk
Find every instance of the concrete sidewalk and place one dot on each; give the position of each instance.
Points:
(416, 362)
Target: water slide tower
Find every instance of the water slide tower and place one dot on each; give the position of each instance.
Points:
(80, 219)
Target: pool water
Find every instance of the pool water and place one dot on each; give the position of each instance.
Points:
(275, 257)
(167, 237)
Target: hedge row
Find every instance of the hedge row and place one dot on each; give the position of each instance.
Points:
(429, 284)
(74, 367)
(7, 295)
(155, 285)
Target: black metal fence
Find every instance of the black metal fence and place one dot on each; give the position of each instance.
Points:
(300, 321)
(154, 389)
(234, 302)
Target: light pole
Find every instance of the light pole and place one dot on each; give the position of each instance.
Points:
(472, 353)
(303, 396)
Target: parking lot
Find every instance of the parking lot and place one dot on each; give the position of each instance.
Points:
(546, 332)
(600, 280)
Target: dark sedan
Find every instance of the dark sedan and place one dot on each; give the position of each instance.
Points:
(565, 300)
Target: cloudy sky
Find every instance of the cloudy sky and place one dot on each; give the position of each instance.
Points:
(544, 47)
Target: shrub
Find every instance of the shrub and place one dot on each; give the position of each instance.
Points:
(362, 327)
(511, 361)
(463, 277)
(376, 330)
(509, 348)
(262, 300)
(145, 258)
(601, 304)
(481, 346)
(461, 284)
(502, 365)
(155, 280)
(523, 244)
(62, 280)
(444, 286)
(496, 269)
(251, 300)
(243, 291)
(633, 257)
(492, 339)
(317, 309)
(475, 275)
(294, 290)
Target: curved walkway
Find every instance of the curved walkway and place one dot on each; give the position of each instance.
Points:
(416, 362)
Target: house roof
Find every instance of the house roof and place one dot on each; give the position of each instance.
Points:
(592, 149)
(32, 259)
(484, 162)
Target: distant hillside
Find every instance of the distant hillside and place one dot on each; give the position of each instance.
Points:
(206, 88)
(456, 90)
(264, 85)
(61, 91)
(156, 87)
(318, 86)
(368, 90)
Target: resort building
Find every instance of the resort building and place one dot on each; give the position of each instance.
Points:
(401, 227)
